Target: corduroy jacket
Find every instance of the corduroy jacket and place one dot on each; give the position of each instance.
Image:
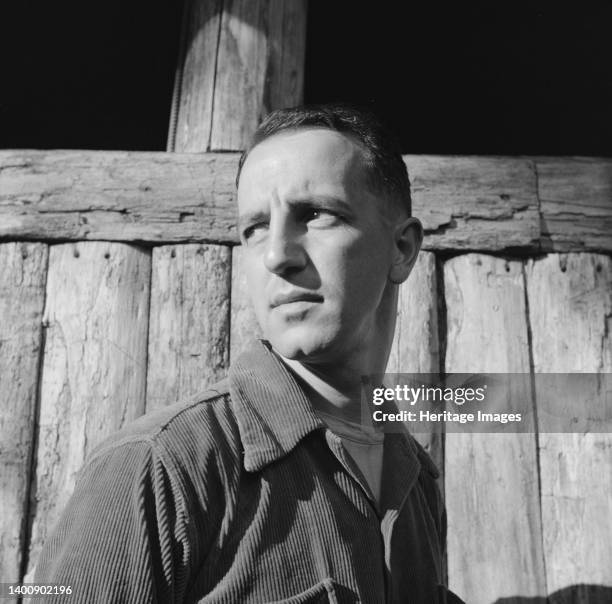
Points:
(243, 495)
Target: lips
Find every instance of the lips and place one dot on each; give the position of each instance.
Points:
(294, 296)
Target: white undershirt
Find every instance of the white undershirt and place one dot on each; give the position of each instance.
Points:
(365, 446)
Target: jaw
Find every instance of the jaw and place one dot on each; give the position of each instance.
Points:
(342, 352)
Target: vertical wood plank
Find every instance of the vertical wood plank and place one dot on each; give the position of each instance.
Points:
(189, 324)
(243, 58)
(415, 344)
(570, 310)
(494, 531)
(94, 364)
(194, 84)
(22, 294)
(244, 323)
(240, 60)
(260, 66)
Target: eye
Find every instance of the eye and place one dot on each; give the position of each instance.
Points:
(320, 216)
(252, 232)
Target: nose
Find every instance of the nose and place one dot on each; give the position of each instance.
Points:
(284, 251)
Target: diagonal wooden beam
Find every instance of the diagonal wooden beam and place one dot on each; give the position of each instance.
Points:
(494, 204)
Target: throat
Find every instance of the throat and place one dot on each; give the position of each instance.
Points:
(337, 398)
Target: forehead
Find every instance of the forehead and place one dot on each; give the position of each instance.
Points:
(303, 161)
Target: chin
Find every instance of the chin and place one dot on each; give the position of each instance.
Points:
(296, 345)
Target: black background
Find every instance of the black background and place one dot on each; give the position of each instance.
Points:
(466, 78)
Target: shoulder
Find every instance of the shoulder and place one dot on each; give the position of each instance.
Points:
(184, 436)
(162, 475)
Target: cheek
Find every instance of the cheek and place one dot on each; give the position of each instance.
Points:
(358, 275)
(255, 284)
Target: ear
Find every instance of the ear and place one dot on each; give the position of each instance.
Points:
(407, 239)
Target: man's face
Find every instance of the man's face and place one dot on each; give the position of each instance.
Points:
(317, 246)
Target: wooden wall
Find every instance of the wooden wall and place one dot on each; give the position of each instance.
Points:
(516, 276)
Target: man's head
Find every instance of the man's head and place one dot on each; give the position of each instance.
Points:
(324, 218)
(386, 171)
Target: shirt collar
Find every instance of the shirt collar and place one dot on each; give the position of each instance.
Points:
(274, 414)
(271, 409)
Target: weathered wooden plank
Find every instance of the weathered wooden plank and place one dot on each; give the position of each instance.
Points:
(464, 203)
(93, 378)
(22, 292)
(415, 345)
(192, 103)
(244, 325)
(117, 196)
(189, 324)
(475, 203)
(570, 310)
(243, 58)
(260, 66)
(494, 532)
(576, 203)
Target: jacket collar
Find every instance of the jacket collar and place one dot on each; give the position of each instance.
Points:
(274, 414)
(271, 409)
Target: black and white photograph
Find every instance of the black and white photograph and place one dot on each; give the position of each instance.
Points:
(306, 302)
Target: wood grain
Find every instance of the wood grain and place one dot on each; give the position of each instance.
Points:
(94, 367)
(243, 58)
(189, 321)
(576, 203)
(570, 310)
(260, 67)
(475, 203)
(487, 204)
(117, 196)
(22, 294)
(494, 531)
(415, 344)
(244, 325)
(194, 84)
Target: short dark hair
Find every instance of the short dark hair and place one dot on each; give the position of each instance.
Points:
(387, 173)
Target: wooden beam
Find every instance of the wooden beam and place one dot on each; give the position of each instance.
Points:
(117, 196)
(494, 530)
(244, 325)
(240, 59)
(576, 203)
(465, 203)
(189, 321)
(570, 297)
(475, 203)
(94, 367)
(22, 296)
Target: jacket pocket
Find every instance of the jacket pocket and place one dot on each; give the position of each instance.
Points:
(321, 593)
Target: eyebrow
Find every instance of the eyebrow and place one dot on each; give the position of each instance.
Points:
(323, 201)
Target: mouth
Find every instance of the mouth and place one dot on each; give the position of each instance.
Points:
(287, 298)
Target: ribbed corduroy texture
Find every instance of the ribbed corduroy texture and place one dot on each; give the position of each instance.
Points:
(244, 496)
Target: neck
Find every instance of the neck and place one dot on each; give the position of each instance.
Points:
(329, 392)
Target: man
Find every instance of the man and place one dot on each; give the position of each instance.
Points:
(268, 488)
